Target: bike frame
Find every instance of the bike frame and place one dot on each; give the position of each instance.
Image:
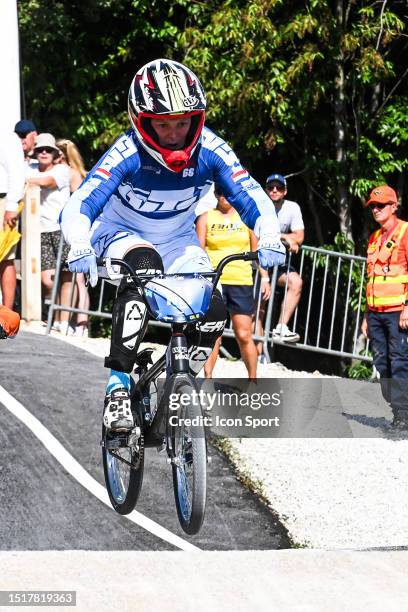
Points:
(185, 442)
(175, 359)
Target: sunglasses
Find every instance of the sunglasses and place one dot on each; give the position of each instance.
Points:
(277, 187)
(379, 206)
(22, 134)
(44, 149)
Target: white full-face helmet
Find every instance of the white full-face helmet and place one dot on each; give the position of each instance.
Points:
(166, 88)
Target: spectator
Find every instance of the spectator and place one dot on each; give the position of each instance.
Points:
(292, 231)
(71, 156)
(12, 174)
(53, 178)
(221, 232)
(386, 318)
(27, 132)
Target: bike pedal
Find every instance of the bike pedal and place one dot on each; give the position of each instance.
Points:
(134, 436)
(113, 443)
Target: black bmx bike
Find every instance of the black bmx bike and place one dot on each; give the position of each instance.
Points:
(167, 412)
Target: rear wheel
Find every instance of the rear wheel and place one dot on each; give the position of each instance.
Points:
(190, 460)
(123, 465)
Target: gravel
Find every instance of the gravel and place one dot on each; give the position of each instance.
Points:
(329, 493)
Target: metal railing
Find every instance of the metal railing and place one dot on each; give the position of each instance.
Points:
(327, 318)
(330, 312)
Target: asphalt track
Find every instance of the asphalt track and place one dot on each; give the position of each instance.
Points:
(44, 507)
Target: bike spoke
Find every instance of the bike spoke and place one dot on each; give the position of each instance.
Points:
(185, 496)
(123, 467)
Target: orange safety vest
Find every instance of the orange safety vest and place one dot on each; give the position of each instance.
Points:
(387, 278)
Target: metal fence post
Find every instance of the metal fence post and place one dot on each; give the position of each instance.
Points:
(55, 285)
(268, 317)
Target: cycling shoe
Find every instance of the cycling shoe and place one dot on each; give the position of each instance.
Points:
(117, 416)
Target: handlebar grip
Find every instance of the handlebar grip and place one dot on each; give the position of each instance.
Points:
(250, 256)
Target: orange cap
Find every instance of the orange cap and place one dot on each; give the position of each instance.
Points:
(383, 195)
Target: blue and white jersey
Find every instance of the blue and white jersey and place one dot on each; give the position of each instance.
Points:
(128, 191)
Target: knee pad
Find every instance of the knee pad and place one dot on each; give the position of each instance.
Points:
(202, 338)
(129, 314)
(206, 332)
(212, 325)
(144, 260)
(129, 322)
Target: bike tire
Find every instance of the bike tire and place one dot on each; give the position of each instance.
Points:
(123, 482)
(189, 465)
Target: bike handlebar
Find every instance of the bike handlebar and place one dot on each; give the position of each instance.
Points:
(247, 256)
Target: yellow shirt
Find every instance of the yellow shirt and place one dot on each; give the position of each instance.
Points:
(227, 235)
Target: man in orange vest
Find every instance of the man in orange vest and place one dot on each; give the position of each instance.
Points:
(9, 322)
(386, 318)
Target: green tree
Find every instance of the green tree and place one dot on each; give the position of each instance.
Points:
(78, 58)
(315, 87)
(316, 79)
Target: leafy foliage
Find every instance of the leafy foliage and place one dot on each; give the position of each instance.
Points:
(315, 88)
(360, 370)
(78, 59)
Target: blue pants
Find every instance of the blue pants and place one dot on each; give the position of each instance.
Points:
(390, 354)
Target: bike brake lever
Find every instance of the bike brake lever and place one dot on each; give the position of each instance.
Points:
(111, 272)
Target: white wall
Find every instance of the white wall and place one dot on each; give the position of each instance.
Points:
(9, 65)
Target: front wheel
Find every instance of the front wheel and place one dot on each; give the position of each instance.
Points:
(189, 462)
(123, 466)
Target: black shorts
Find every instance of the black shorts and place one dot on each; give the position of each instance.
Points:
(284, 268)
(239, 299)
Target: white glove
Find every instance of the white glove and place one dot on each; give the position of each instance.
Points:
(271, 251)
(82, 258)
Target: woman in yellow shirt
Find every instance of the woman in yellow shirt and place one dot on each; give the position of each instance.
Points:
(221, 232)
